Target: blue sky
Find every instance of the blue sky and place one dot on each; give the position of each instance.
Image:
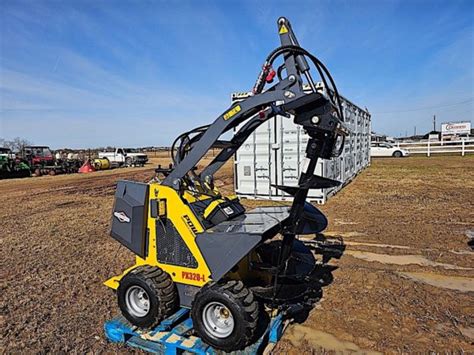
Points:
(135, 73)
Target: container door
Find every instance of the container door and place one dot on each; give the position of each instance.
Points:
(291, 151)
(253, 165)
(263, 161)
(288, 153)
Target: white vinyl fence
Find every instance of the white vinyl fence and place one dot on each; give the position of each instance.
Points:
(463, 147)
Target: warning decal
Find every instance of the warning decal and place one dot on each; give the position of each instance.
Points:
(232, 112)
(283, 29)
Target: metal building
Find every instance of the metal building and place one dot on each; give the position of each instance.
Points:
(274, 152)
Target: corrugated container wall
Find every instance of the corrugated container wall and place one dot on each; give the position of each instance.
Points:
(274, 152)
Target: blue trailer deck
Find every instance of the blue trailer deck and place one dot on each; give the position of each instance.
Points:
(172, 336)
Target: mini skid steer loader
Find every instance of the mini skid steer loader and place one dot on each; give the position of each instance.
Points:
(198, 249)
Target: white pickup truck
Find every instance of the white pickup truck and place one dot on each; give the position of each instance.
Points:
(125, 157)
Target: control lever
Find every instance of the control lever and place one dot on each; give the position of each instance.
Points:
(164, 171)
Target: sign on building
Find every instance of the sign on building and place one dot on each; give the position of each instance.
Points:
(455, 128)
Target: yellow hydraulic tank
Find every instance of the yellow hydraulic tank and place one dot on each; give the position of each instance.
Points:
(101, 163)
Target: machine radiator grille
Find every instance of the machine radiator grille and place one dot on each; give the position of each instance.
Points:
(171, 248)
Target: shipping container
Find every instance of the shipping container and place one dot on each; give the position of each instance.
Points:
(273, 154)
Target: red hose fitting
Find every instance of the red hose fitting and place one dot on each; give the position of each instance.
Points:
(260, 83)
(270, 76)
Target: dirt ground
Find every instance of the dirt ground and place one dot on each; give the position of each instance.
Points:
(405, 282)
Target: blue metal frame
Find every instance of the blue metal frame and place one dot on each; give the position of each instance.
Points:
(171, 336)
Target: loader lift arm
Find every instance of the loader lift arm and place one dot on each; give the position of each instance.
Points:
(320, 115)
(288, 90)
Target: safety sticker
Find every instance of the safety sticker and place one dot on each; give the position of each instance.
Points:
(283, 29)
(232, 112)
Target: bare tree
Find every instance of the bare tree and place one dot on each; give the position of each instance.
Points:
(16, 144)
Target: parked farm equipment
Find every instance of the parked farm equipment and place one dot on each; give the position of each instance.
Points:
(87, 167)
(11, 166)
(42, 162)
(103, 164)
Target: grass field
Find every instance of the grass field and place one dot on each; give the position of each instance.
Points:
(404, 284)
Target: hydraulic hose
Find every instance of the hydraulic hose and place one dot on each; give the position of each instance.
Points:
(317, 63)
(180, 152)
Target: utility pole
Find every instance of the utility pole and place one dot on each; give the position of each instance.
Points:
(434, 123)
(415, 131)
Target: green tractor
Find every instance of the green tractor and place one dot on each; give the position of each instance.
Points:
(11, 167)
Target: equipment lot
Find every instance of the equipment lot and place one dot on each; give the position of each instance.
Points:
(404, 283)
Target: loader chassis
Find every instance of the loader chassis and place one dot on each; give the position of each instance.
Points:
(198, 249)
(179, 255)
(177, 242)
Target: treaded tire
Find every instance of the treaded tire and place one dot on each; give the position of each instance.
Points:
(241, 303)
(161, 292)
(397, 154)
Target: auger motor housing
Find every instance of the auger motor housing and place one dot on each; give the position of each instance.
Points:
(199, 249)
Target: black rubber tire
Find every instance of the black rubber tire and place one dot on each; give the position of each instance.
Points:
(397, 154)
(243, 306)
(128, 162)
(161, 292)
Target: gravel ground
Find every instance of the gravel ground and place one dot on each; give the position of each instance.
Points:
(404, 284)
